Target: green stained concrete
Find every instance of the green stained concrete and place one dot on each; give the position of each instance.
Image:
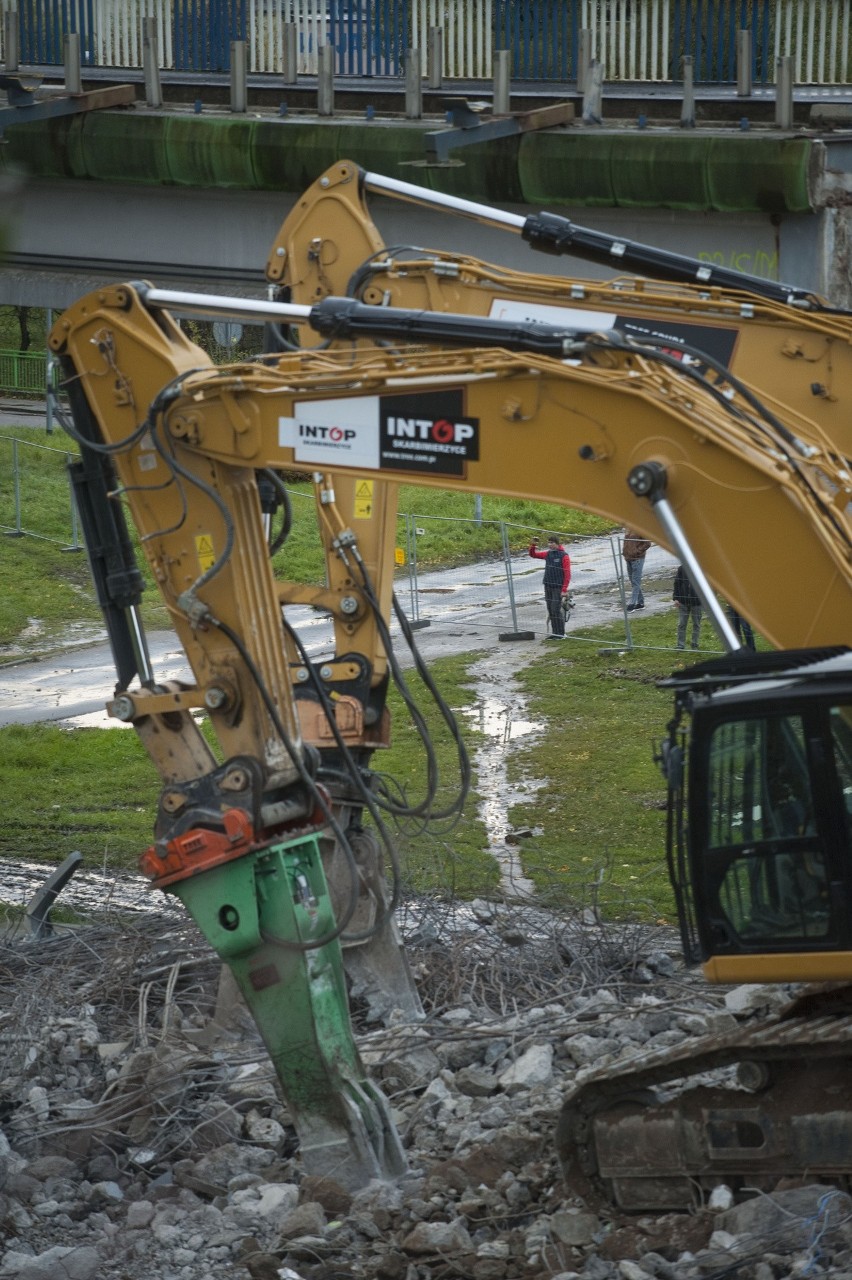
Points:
(628, 168)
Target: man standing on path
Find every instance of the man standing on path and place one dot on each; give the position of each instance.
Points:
(557, 577)
(688, 606)
(634, 549)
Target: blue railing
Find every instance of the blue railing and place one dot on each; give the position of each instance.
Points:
(203, 31)
(706, 30)
(543, 38)
(636, 40)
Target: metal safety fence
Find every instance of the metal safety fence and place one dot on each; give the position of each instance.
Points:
(500, 591)
(23, 371)
(495, 592)
(634, 40)
(36, 499)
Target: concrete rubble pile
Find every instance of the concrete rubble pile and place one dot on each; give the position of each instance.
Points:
(142, 1134)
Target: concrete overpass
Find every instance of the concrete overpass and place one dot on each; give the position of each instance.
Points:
(195, 200)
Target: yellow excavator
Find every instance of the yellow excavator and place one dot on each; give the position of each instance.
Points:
(746, 491)
(791, 346)
(783, 340)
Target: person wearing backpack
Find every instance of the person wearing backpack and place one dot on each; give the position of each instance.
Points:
(557, 576)
(688, 606)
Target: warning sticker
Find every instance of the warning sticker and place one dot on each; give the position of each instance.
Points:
(205, 551)
(363, 500)
(399, 556)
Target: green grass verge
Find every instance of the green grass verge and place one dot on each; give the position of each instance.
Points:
(89, 789)
(96, 790)
(597, 816)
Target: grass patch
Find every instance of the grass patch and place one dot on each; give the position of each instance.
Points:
(598, 818)
(89, 789)
(96, 790)
(448, 857)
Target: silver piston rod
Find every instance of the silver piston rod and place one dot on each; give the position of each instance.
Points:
(350, 319)
(648, 480)
(551, 233)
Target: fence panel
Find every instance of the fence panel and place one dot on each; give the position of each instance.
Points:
(635, 40)
(542, 35)
(23, 371)
(502, 590)
(816, 34)
(35, 493)
(631, 41)
(502, 587)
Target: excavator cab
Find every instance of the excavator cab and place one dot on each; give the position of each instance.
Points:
(759, 770)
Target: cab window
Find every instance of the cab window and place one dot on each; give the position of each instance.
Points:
(841, 737)
(767, 873)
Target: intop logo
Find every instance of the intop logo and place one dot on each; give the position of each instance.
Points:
(336, 435)
(435, 430)
(427, 432)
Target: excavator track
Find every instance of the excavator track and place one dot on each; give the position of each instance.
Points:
(786, 1111)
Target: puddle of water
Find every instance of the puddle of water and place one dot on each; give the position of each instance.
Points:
(93, 720)
(503, 720)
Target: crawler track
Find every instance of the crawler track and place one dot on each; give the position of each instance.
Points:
(646, 1151)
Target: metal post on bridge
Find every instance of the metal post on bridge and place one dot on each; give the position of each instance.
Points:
(325, 80)
(784, 93)
(413, 85)
(744, 64)
(593, 94)
(73, 73)
(11, 41)
(584, 59)
(502, 92)
(151, 63)
(290, 52)
(239, 66)
(435, 58)
(687, 111)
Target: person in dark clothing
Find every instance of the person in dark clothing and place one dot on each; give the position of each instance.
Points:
(557, 576)
(742, 629)
(688, 606)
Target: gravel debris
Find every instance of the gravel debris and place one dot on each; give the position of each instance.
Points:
(142, 1140)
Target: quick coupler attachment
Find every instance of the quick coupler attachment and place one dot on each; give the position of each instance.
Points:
(263, 909)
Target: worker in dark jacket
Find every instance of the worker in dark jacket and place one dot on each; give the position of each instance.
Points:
(742, 628)
(688, 606)
(557, 576)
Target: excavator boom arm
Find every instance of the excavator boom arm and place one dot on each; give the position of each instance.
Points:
(491, 422)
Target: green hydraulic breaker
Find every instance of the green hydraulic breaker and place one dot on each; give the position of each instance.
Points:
(263, 909)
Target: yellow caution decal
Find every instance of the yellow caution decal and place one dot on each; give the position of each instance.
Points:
(205, 551)
(363, 500)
